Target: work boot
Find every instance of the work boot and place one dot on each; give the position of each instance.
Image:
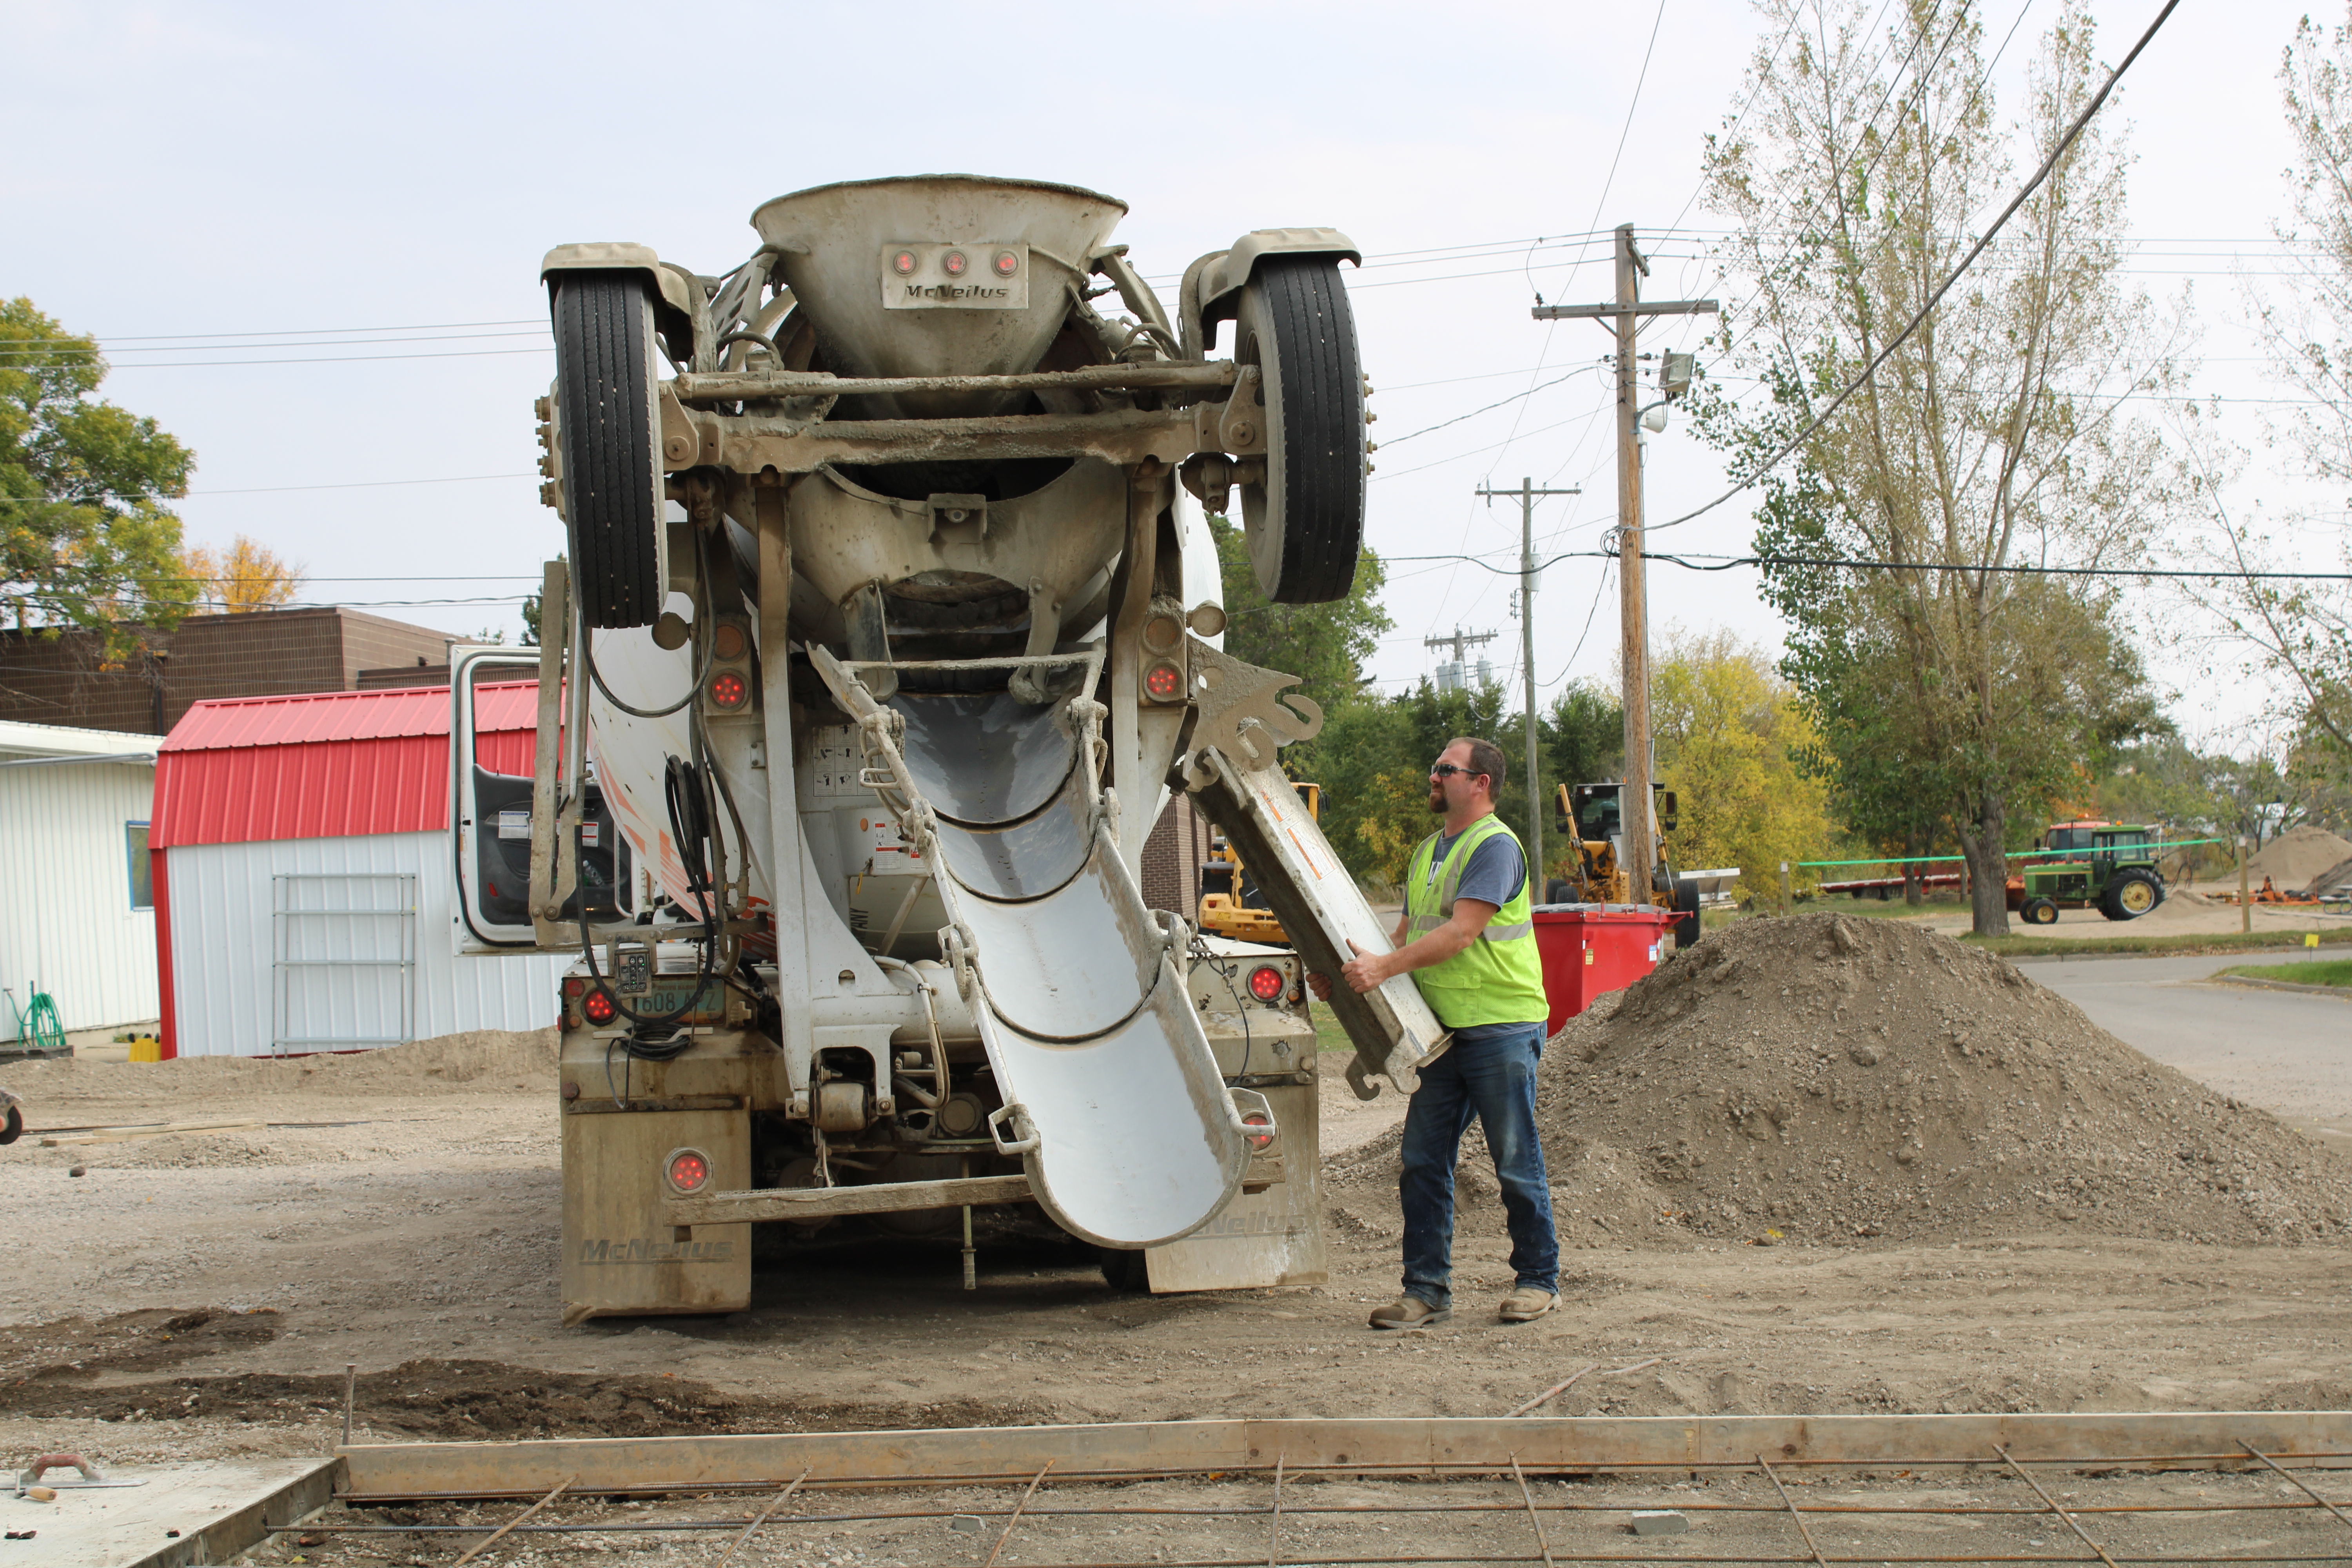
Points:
(1525, 1304)
(1410, 1312)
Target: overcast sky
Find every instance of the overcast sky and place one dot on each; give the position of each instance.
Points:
(347, 176)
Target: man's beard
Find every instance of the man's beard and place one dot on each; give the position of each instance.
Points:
(1438, 799)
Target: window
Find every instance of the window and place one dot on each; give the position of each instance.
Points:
(143, 870)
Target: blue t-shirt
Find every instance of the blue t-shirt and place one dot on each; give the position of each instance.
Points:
(1496, 871)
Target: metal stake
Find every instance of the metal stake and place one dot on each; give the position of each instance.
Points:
(350, 1383)
(2052, 1503)
(1798, 1519)
(1009, 1523)
(773, 1504)
(2314, 1497)
(1274, 1530)
(1543, 1541)
(481, 1546)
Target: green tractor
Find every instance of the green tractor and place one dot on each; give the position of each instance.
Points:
(2116, 876)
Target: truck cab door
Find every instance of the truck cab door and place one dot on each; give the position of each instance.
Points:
(493, 740)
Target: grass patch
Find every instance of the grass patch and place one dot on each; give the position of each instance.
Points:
(2326, 972)
(1328, 1034)
(1835, 904)
(2179, 946)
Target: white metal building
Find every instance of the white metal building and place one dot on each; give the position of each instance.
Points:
(305, 876)
(77, 919)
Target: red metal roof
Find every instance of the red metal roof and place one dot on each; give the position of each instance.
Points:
(331, 765)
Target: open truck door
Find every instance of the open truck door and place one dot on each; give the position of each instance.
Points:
(493, 743)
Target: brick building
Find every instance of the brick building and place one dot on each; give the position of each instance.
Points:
(64, 679)
(1172, 859)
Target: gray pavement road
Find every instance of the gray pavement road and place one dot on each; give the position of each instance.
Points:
(2288, 1052)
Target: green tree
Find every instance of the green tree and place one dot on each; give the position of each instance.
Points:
(1582, 736)
(85, 538)
(1983, 444)
(1324, 645)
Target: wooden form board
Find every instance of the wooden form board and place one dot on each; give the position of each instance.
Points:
(385, 1472)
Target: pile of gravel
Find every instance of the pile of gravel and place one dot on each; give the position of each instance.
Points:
(1828, 1079)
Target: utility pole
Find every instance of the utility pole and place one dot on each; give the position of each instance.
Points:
(1528, 495)
(1634, 806)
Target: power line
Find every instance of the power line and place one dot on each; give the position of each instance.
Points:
(1870, 370)
(1726, 563)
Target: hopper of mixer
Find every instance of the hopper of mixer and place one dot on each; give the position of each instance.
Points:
(937, 275)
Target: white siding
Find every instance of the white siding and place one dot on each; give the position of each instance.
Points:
(226, 943)
(67, 926)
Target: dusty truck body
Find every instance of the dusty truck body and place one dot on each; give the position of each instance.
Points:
(888, 622)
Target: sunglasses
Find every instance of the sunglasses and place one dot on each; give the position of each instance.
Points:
(1447, 769)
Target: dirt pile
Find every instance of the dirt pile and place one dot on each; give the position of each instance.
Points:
(1823, 1078)
(476, 1059)
(2296, 858)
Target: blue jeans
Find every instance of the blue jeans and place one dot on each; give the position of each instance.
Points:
(1495, 1080)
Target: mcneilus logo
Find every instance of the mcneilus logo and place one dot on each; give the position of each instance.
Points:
(955, 292)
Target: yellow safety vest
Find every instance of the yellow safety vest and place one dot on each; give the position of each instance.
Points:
(1498, 979)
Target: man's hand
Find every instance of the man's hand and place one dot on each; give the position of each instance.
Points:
(1363, 973)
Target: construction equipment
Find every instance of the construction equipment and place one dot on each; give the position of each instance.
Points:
(1231, 904)
(2117, 874)
(1593, 816)
(889, 621)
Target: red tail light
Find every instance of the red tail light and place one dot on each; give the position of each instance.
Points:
(687, 1171)
(1258, 1119)
(1265, 983)
(598, 1008)
(729, 689)
(1163, 683)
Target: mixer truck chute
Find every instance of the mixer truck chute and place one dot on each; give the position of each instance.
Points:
(889, 622)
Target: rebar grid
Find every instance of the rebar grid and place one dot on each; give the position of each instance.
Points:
(1284, 1504)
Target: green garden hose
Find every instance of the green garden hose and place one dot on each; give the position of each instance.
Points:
(38, 1027)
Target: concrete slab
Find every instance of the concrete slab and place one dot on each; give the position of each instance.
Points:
(218, 1508)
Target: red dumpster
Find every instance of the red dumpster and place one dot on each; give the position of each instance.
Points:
(1590, 950)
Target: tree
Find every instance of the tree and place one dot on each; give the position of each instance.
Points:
(243, 577)
(1729, 734)
(85, 538)
(1324, 645)
(2304, 630)
(1990, 440)
(1582, 735)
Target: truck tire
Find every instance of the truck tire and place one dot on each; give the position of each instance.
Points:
(1304, 522)
(2039, 913)
(2130, 894)
(1125, 1270)
(1560, 891)
(14, 1128)
(607, 405)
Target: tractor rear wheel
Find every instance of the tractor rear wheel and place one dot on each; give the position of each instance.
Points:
(1560, 891)
(606, 404)
(2039, 913)
(2130, 894)
(1304, 517)
(13, 1126)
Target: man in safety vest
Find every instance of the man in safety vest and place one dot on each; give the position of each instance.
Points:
(1468, 939)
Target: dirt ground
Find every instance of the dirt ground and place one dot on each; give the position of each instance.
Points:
(201, 1295)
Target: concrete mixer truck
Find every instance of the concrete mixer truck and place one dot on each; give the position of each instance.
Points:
(887, 622)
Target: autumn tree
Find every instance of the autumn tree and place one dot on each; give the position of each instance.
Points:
(86, 538)
(1730, 734)
(245, 576)
(1990, 440)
